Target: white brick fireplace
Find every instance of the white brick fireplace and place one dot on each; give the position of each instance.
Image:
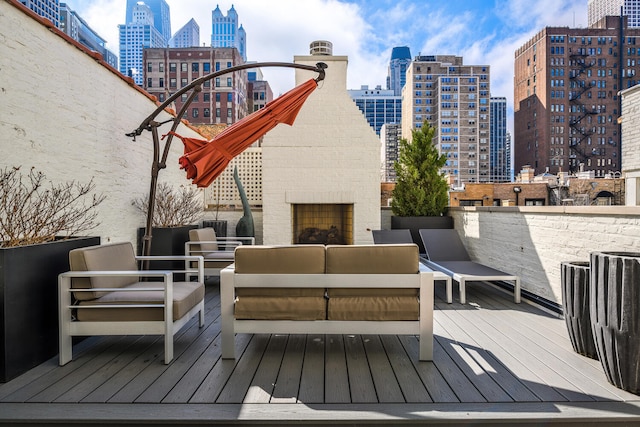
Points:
(329, 157)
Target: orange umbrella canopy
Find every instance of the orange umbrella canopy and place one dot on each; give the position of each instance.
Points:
(204, 160)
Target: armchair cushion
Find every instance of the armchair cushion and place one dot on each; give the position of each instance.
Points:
(207, 234)
(186, 295)
(118, 256)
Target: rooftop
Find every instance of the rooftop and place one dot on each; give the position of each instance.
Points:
(494, 361)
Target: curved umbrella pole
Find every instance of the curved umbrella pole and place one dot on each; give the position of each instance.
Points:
(150, 124)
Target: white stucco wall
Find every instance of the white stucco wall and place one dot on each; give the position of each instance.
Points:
(532, 241)
(631, 144)
(330, 155)
(66, 115)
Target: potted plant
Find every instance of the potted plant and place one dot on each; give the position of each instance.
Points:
(176, 212)
(420, 197)
(39, 225)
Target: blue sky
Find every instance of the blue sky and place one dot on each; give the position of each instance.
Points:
(484, 32)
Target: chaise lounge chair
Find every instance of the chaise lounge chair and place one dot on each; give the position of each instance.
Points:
(446, 253)
(398, 236)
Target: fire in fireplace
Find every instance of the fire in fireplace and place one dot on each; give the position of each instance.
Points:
(324, 223)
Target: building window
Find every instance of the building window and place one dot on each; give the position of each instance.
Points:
(218, 97)
(149, 67)
(161, 97)
(161, 67)
(229, 112)
(172, 82)
(206, 112)
(194, 113)
(217, 66)
(149, 82)
(184, 82)
(217, 81)
(183, 97)
(229, 81)
(217, 112)
(195, 67)
(229, 96)
(206, 67)
(206, 97)
(183, 67)
(172, 67)
(161, 82)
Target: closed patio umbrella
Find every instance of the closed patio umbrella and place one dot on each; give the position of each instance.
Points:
(204, 160)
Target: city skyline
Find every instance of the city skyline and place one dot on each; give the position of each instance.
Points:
(482, 31)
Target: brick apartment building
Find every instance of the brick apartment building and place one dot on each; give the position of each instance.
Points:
(222, 100)
(566, 96)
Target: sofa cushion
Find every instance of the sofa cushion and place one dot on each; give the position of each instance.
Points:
(373, 259)
(280, 308)
(294, 259)
(116, 256)
(373, 308)
(186, 295)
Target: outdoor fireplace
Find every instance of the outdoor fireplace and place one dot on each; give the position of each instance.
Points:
(322, 223)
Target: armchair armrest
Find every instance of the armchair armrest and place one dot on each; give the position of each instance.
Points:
(187, 262)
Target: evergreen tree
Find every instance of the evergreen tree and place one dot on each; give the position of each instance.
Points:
(421, 189)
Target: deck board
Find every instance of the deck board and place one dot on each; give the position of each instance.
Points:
(489, 353)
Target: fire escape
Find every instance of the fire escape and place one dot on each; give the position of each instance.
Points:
(580, 121)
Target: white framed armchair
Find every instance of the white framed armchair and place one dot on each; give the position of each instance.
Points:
(106, 294)
(217, 251)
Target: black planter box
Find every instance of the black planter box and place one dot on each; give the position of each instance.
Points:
(218, 225)
(416, 223)
(577, 306)
(167, 241)
(29, 302)
(615, 316)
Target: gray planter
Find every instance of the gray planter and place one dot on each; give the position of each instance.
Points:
(167, 241)
(615, 316)
(577, 307)
(416, 223)
(29, 302)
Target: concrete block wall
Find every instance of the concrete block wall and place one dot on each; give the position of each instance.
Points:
(533, 241)
(66, 114)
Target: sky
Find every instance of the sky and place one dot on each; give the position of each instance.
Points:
(483, 32)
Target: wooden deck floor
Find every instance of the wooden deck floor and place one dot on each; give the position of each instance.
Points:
(494, 361)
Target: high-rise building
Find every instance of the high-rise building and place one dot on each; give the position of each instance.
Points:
(76, 28)
(137, 34)
(187, 36)
(389, 144)
(222, 99)
(225, 31)
(161, 16)
(598, 9)
(453, 98)
(500, 160)
(566, 98)
(400, 60)
(379, 106)
(49, 9)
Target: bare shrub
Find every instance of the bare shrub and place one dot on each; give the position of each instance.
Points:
(173, 207)
(31, 212)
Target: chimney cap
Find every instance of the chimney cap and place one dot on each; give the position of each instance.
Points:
(321, 47)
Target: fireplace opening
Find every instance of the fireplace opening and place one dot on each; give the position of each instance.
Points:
(322, 223)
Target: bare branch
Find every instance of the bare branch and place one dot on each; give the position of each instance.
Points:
(172, 207)
(31, 213)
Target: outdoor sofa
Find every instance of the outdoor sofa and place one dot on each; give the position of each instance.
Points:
(334, 289)
(105, 293)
